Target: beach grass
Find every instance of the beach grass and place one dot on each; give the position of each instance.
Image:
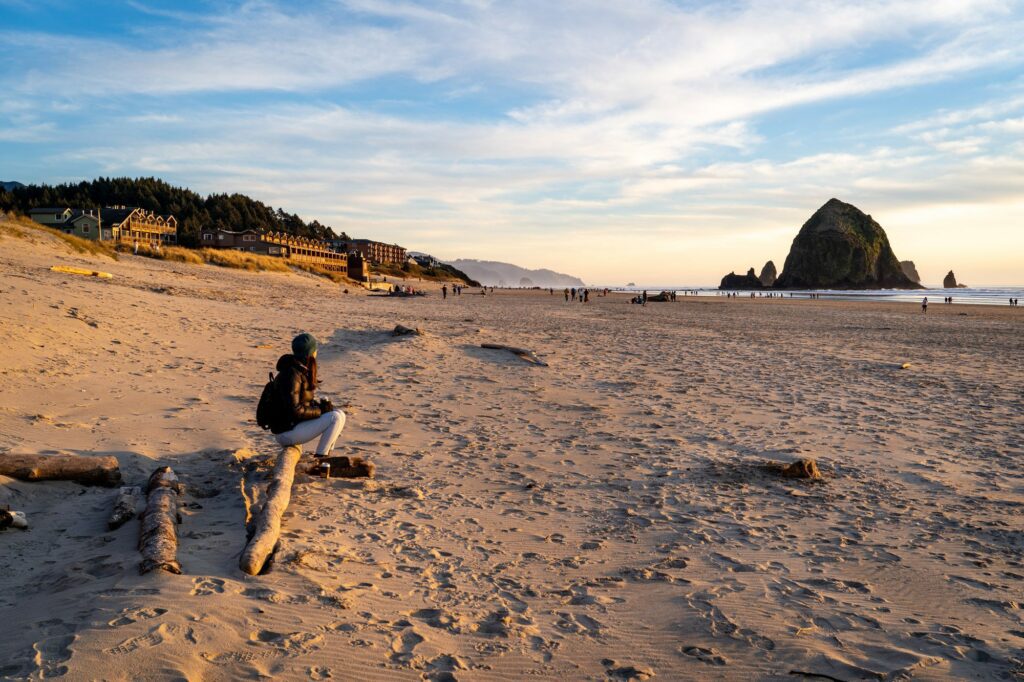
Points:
(21, 227)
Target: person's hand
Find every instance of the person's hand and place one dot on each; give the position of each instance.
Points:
(326, 405)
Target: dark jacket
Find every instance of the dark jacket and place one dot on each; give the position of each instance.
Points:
(293, 395)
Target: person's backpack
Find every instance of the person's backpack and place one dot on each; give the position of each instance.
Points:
(267, 406)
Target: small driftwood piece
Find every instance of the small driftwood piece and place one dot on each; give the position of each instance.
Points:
(86, 470)
(524, 353)
(802, 468)
(402, 330)
(158, 540)
(267, 527)
(125, 506)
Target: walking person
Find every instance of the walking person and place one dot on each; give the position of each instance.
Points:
(296, 416)
(644, 298)
(924, 305)
(444, 292)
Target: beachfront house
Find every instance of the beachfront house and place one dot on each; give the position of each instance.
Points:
(114, 223)
(377, 253)
(301, 250)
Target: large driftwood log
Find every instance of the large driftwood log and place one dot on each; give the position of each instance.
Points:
(125, 506)
(524, 353)
(86, 470)
(158, 540)
(402, 330)
(268, 518)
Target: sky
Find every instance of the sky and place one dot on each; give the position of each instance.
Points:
(648, 141)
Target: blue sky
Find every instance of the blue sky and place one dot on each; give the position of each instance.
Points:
(646, 141)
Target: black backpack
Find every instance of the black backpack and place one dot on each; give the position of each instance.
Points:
(267, 407)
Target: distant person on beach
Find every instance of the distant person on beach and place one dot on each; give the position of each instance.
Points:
(644, 297)
(924, 305)
(444, 291)
(296, 416)
(566, 292)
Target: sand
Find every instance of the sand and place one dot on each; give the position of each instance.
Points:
(605, 517)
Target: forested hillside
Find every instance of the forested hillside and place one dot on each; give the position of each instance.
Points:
(193, 211)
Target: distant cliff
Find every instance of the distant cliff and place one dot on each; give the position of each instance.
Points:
(910, 270)
(497, 274)
(841, 247)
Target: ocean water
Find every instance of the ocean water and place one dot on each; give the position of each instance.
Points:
(969, 296)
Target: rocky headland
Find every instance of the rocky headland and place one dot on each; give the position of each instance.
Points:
(910, 270)
(841, 247)
(768, 274)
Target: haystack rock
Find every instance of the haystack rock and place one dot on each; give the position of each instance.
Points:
(949, 282)
(910, 270)
(747, 281)
(841, 247)
(768, 274)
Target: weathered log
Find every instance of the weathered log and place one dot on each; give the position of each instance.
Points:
(268, 518)
(524, 353)
(86, 470)
(158, 541)
(125, 506)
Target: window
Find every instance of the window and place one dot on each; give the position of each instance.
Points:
(207, 237)
(85, 229)
(248, 237)
(220, 236)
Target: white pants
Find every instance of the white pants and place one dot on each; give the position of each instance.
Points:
(328, 426)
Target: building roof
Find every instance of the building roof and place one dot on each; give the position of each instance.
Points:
(50, 209)
(115, 216)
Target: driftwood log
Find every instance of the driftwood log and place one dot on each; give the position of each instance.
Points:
(524, 353)
(267, 526)
(126, 506)
(86, 470)
(158, 540)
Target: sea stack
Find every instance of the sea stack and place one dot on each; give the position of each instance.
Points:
(841, 247)
(768, 274)
(747, 281)
(949, 282)
(910, 271)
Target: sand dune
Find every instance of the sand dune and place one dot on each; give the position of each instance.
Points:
(606, 517)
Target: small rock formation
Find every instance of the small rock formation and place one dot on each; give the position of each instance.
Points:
(747, 281)
(841, 247)
(768, 274)
(949, 282)
(910, 270)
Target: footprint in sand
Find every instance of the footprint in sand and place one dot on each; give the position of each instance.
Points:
(710, 656)
(403, 646)
(135, 614)
(154, 637)
(51, 654)
(204, 586)
(625, 672)
(442, 668)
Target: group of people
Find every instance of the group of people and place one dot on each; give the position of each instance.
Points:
(583, 295)
(1014, 302)
(456, 290)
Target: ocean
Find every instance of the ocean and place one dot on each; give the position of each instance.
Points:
(969, 296)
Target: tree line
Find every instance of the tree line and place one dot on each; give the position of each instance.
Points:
(224, 211)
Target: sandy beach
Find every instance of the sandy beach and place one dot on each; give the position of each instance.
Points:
(608, 516)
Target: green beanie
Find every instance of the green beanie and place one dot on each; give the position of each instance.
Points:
(304, 345)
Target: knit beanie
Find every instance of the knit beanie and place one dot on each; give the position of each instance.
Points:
(304, 345)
